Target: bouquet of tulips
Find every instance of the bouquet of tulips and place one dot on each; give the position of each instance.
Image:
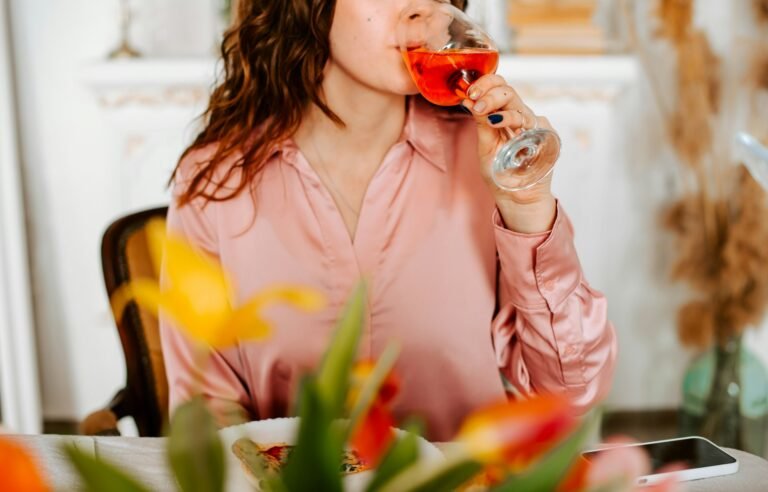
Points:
(530, 444)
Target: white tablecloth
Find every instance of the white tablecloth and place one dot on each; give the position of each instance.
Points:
(145, 459)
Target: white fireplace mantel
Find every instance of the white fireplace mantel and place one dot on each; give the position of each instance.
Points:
(151, 81)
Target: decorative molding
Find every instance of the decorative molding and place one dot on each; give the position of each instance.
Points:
(172, 96)
(187, 81)
(144, 82)
(582, 78)
(150, 72)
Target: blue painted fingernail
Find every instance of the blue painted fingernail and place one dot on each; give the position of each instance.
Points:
(495, 119)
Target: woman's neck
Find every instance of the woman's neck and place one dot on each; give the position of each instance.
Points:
(373, 120)
(347, 157)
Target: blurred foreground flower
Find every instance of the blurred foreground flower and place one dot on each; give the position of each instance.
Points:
(374, 432)
(517, 433)
(198, 295)
(617, 469)
(522, 446)
(18, 470)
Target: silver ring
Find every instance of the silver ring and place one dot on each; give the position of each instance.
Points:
(522, 117)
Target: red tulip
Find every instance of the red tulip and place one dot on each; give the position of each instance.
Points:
(374, 433)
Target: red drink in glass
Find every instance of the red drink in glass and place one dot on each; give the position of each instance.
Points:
(443, 77)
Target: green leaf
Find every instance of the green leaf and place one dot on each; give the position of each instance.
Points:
(430, 477)
(547, 473)
(372, 385)
(315, 462)
(403, 453)
(98, 476)
(333, 377)
(195, 451)
(273, 484)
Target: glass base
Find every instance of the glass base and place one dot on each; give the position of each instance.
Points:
(526, 160)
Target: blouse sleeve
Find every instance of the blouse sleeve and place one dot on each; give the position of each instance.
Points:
(551, 332)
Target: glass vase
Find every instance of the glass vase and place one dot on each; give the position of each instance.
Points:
(725, 397)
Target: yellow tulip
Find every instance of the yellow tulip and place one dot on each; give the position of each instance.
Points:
(198, 295)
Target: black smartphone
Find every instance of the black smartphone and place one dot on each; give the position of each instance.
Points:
(698, 457)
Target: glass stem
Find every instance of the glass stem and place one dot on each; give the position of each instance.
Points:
(463, 83)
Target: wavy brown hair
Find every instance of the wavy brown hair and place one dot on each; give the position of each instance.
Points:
(273, 59)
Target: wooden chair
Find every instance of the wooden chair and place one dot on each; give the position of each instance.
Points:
(125, 256)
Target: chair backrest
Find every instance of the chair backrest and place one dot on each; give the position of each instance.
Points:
(124, 256)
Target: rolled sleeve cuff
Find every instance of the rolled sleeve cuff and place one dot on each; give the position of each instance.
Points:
(538, 269)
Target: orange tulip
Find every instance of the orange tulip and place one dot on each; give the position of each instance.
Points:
(18, 470)
(517, 432)
(374, 433)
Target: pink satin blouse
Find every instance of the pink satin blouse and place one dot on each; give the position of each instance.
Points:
(467, 300)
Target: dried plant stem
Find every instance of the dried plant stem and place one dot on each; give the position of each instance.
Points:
(627, 10)
(628, 14)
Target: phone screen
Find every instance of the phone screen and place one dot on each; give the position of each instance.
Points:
(689, 453)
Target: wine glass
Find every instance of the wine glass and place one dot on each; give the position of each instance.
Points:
(446, 52)
(755, 157)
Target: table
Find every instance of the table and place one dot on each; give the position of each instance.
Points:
(145, 459)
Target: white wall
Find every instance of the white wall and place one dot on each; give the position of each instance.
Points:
(65, 149)
(19, 387)
(614, 206)
(69, 154)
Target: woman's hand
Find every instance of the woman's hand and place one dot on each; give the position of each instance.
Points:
(495, 106)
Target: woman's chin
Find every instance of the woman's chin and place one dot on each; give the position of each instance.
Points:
(412, 92)
(405, 87)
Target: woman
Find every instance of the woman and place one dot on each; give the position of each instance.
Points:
(318, 165)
